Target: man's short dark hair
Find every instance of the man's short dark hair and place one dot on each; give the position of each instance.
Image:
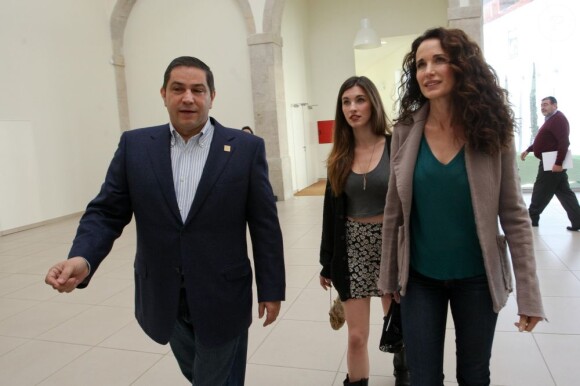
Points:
(189, 61)
(551, 99)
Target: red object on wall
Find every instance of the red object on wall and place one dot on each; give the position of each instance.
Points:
(325, 129)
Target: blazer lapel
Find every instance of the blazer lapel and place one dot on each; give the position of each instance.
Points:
(406, 157)
(158, 149)
(220, 152)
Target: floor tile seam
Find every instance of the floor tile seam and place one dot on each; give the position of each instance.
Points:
(304, 265)
(80, 314)
(161, 354)
(87, 351)
(129, 284)
(544, 360)
(290, 367)
(553, 252)
(566, 269)
(30, 340)
(37, 302)
(24, 274)
(131, 320)
(11, 296)
(12, 291)
(37, 251)
(305, 320)
(24, 341)
(566, 265)
(300, 287)
(53, 300)
(45, 340)
(56, 370)
(97, 346)
(269, 332)
(4, 255)
(146, 371)
(280, 319)
(309, 321)
(548, 333)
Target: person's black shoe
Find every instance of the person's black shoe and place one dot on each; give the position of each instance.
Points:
(573, 229)
(401, 373)
(534, 224)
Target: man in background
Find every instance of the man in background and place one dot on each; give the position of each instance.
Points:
(554, 135)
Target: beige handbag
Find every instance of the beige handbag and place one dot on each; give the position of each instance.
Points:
(336, 313)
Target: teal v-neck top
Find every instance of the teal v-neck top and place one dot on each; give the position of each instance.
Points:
(444, 242)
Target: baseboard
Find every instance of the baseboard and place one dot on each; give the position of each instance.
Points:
(38, 224)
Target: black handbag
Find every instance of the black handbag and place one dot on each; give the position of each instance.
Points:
(392, 334)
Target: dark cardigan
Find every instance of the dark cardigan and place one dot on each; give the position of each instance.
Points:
(333, 245)
(333, 257)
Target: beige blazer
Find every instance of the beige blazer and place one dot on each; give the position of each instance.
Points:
(496, 195)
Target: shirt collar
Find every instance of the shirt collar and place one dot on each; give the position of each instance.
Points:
(551, 115)
(201, 139)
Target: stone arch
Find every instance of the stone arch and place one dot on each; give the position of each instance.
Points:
(265, 56)
(119, 18)
(273, 11)
(248, 16)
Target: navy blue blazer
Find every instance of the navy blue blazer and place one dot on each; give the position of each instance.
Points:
(209, 249)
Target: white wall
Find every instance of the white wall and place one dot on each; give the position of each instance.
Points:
(333, 25)
(58, 114)
(513, 46)
(159, 31)
(258, 12)
(295, 56)
(383, 67)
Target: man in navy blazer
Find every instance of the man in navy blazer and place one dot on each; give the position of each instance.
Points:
(193, 187)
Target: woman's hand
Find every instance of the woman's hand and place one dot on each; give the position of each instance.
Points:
(325, 282)
(397, 296)
(527, 323)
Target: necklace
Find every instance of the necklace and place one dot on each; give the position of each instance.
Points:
(368, 167)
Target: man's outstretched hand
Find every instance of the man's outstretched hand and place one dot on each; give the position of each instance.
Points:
(67, 275)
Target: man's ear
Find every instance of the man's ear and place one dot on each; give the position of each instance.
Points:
(212, 97)
(162, 91)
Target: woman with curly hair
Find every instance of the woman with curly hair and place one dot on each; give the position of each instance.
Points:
(453, 175)
(350, 251)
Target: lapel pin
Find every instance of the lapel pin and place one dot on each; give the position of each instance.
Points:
(227, 148)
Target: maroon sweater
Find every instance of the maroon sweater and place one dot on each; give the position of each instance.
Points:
(554, 135)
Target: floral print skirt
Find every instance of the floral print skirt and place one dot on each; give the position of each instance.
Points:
(363, 248)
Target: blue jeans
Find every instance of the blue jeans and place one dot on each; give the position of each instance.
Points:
(424, 316)
(223, 365)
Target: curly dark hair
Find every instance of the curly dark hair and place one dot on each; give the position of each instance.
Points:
(341, 156)
(480, 105)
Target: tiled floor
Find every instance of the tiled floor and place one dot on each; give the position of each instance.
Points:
(89, 337)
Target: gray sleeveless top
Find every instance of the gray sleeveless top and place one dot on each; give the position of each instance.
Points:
(370, 201)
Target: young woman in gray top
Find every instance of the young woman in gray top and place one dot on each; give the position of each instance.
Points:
(350, 253)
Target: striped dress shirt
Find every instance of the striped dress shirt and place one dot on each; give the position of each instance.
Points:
(187, 162)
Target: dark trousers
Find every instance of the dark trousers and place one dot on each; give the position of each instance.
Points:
(546, 186)
(424, 314)
(223, 365)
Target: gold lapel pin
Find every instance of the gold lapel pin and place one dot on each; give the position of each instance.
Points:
(227, 148)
